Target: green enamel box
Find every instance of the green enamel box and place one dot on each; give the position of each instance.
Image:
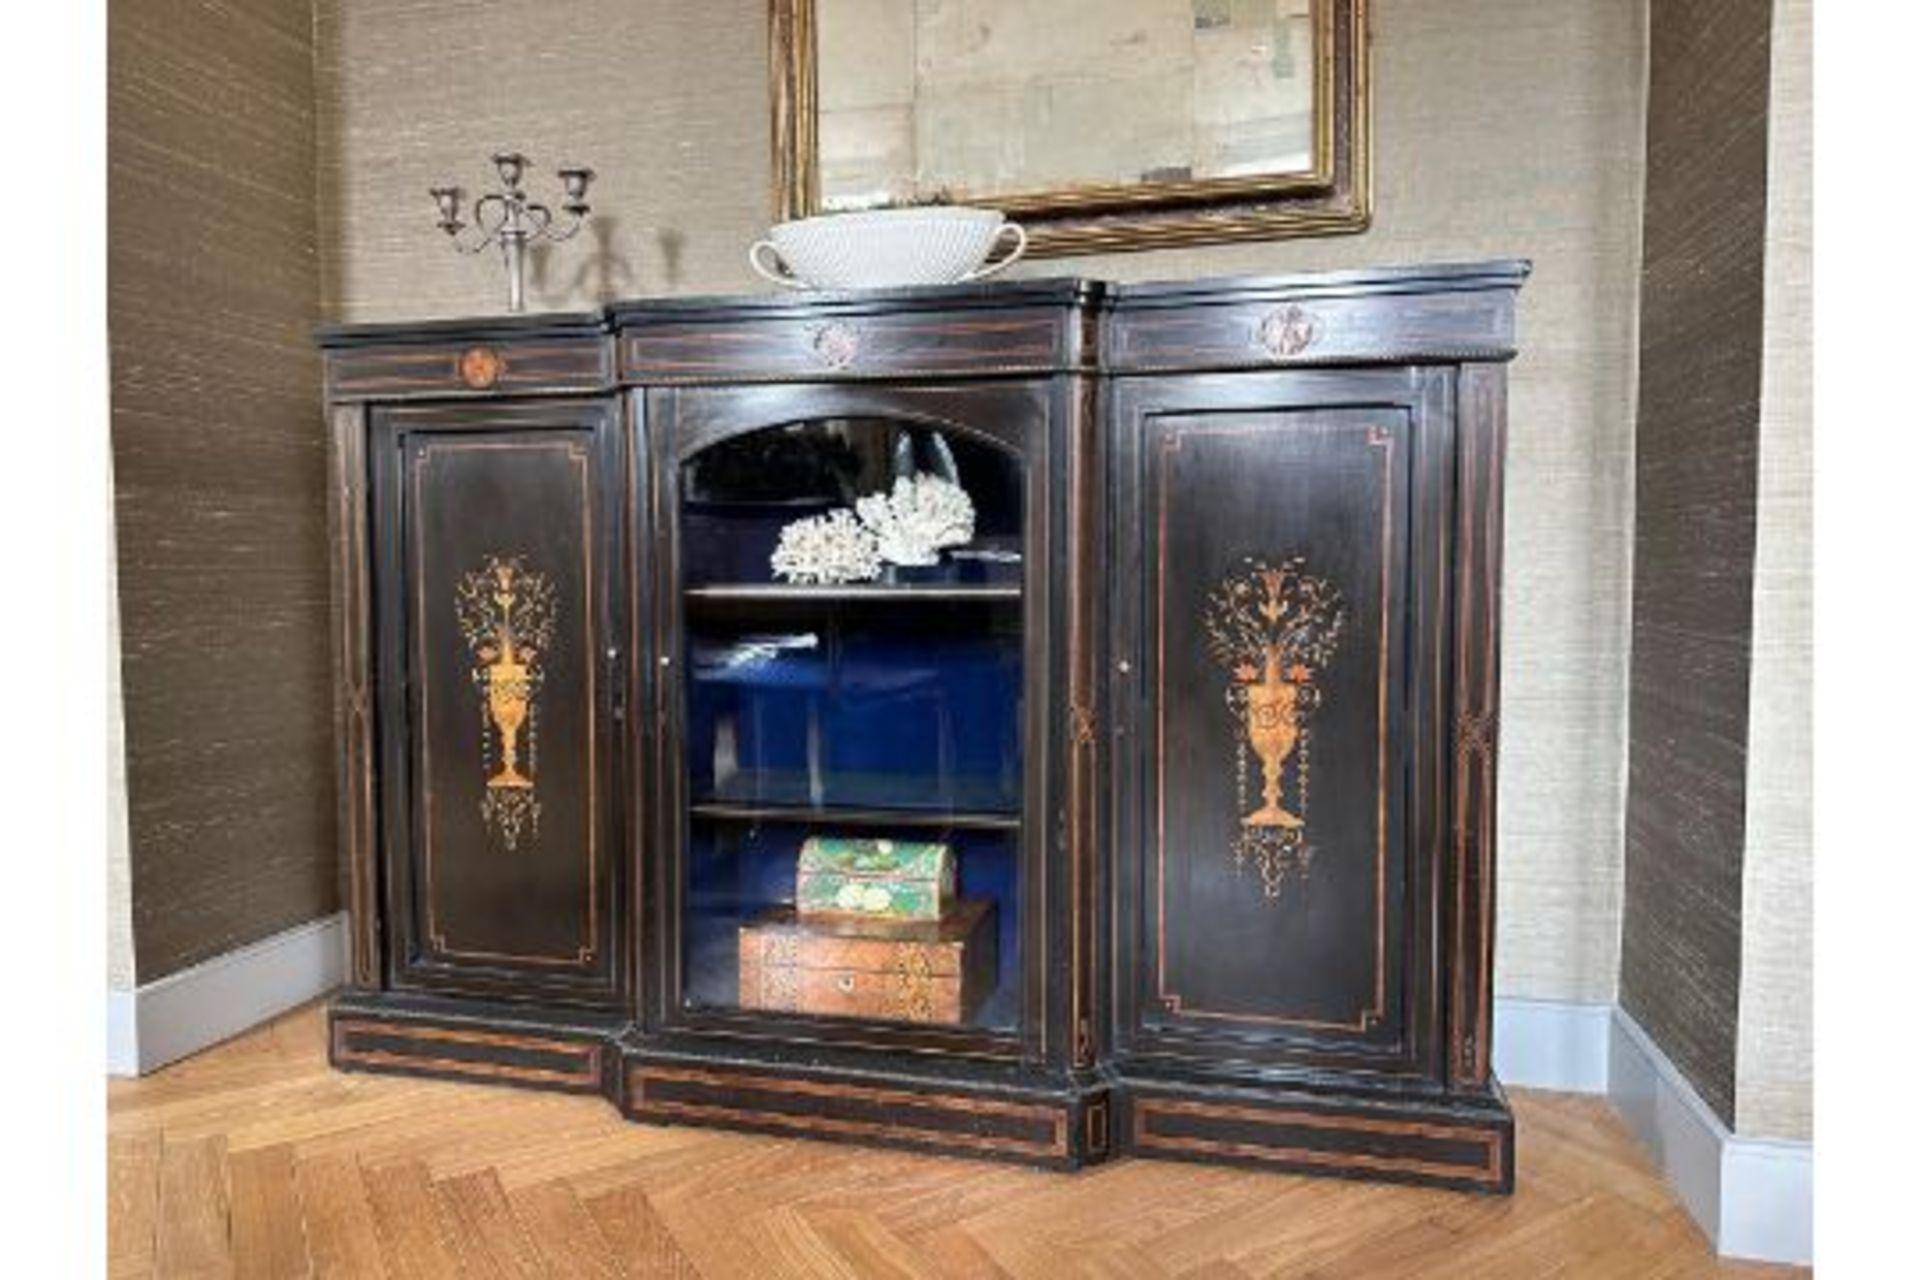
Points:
(874, 879)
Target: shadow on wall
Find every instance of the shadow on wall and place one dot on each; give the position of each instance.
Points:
(603, 274)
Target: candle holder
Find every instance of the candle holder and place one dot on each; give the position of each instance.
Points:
(512, 221)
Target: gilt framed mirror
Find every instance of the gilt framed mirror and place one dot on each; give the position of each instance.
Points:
(1099, 124)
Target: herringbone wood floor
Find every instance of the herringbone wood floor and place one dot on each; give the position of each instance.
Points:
(254, 1159)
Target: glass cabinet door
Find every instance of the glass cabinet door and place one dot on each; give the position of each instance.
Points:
(852, 707)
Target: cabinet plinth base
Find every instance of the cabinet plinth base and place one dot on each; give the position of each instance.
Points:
(1057, 1127)
(489, 1044)
(1466, 1144)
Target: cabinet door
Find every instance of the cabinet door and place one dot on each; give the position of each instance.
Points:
(905, 710)
(1278, 613)
(496, 535)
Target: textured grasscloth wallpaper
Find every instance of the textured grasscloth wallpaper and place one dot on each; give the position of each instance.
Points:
(219, 473)
(1505, 128)
(1774, 1073)
(668, 102)
(1695, 471)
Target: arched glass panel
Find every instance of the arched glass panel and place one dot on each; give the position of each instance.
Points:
(852, 591)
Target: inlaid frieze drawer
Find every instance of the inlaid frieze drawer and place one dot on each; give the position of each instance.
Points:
(820, 339)
(470, 368)
(1275, 325)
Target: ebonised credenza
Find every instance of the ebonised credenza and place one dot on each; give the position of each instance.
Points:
(1204, 714)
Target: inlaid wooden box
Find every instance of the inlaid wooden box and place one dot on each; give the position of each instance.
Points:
(918, 971)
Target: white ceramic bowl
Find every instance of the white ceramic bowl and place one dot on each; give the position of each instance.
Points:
(942, 244)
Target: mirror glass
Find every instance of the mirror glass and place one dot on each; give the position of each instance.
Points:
(989, 101)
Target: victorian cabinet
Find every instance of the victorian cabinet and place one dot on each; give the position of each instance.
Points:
(1151, 811)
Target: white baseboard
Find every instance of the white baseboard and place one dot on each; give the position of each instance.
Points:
(185, 1012)
(123, 1034)
(1753, 1197)
(1551, 1044)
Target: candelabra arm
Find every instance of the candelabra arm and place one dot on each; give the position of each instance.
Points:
(507, 218)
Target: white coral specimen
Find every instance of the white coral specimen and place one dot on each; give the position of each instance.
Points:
(823, 549)
(923, 514)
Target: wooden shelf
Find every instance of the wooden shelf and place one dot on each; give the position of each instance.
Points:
(857, 591)
(830, 815)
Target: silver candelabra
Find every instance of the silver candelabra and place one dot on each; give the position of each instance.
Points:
(512, 221)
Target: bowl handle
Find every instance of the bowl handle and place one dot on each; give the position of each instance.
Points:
(1019, 247)
(776, 273)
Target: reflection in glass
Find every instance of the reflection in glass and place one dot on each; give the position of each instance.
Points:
(737, 496)
(878, 707)
(868, 713)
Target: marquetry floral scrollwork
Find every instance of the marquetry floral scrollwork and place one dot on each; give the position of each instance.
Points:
(507, 614)
(913, 985)
(1274, 627)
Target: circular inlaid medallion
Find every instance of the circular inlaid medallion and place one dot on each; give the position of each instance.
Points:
(1287, 331)
(836, 344)
(481, 367)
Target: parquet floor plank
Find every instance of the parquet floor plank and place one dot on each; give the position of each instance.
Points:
(1296, 1223)
(1561, 1241)
(954, 1254)
(269, 1236)
(192, 1237)
(1213, 1269)
(866, 1243)
(341, 1238)
(938, 1193)
(407, 1221)
(477, 1221)
(788, 1245)
(1391, 1251)
(133, 1203)
(634, 1231)
(570, 1244)
(667, 1157)
(255, 1158)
